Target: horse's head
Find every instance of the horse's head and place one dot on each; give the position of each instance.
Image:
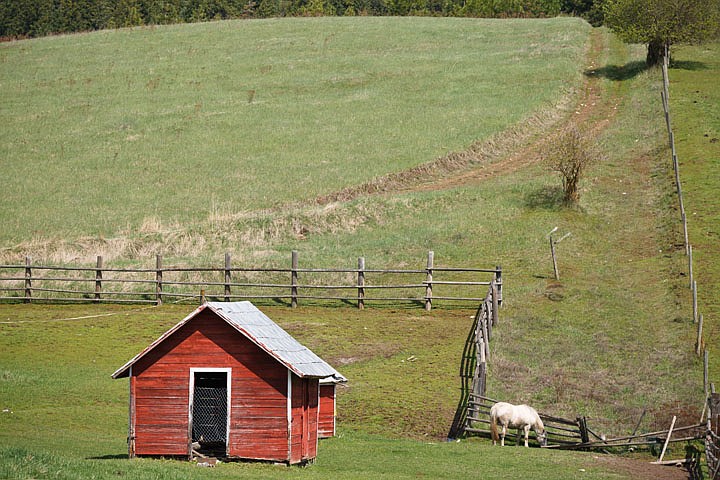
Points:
(542, 437)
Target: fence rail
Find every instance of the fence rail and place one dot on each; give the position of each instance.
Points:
(30, 282)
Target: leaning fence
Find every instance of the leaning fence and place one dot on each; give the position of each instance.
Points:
(425, 285)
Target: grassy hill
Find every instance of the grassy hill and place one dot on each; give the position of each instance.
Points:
(612, 338)
(180, 127)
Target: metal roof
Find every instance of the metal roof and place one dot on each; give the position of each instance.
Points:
(262, 331)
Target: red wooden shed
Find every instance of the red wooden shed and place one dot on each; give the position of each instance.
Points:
(227, 379)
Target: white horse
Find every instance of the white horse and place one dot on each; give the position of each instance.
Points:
(521, 417)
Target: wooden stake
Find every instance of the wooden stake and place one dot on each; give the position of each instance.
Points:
(667, 440)
(294, 279)
(699, 342)
(227, 276)
(706, 361)
(361, 283)
(554, 260)
(158, 279)
(98, 278)
(429, 277)
(695, 302)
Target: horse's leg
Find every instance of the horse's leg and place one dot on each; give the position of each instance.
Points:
(526, 428)
(502, 436)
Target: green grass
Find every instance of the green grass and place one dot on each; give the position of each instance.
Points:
(350, 457)
(695, 110)
(105, 131)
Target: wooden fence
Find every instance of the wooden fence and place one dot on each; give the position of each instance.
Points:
(692, 284)
(31, 282)
(560, 431)
(473, 365)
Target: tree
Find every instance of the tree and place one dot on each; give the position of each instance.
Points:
(662, 23)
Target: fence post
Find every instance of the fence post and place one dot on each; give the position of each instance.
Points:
(227, 276)
(706, 366)
(361, 283)
(495, 302)
(28, 281)
(699, 344)
(294, 279)
(98, 278)
(499, 283)
(554, 260)
(690, 265)
(428, 279)
(158, 279)
(695, 302)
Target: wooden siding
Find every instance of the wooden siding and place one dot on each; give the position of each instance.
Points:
(326, 417)
(258, 419)
(304, 426)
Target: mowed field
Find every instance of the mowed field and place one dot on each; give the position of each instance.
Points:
(612, 338)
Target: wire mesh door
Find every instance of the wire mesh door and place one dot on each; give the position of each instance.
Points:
(210, 408)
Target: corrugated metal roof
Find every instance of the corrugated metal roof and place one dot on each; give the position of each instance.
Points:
(247, 319)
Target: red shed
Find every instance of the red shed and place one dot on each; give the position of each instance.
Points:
(227, 379)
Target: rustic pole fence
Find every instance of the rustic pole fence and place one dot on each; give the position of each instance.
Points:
(100, 282)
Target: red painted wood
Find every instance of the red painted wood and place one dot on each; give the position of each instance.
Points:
(258, 422)
(326, 416)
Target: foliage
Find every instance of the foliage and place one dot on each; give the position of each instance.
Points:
(570, 153)
(662, 23)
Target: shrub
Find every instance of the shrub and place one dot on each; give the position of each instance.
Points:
(569, 153)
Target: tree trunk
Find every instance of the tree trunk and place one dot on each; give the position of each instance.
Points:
(655, 53)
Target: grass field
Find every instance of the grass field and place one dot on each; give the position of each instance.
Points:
(182, 124)
(612, 338)
(695, 105)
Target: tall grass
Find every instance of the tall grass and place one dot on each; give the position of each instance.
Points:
(174, 124)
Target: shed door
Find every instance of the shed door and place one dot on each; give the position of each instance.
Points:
(209, 410)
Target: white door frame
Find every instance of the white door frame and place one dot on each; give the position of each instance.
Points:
(228, 378)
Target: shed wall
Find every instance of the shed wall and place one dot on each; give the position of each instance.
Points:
(326, 417)
(304, 432)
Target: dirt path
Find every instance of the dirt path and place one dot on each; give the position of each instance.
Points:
(593, 113)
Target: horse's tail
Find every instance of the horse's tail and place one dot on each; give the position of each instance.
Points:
(493, 428)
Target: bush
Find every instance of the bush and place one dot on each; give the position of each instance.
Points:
(569, 153)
